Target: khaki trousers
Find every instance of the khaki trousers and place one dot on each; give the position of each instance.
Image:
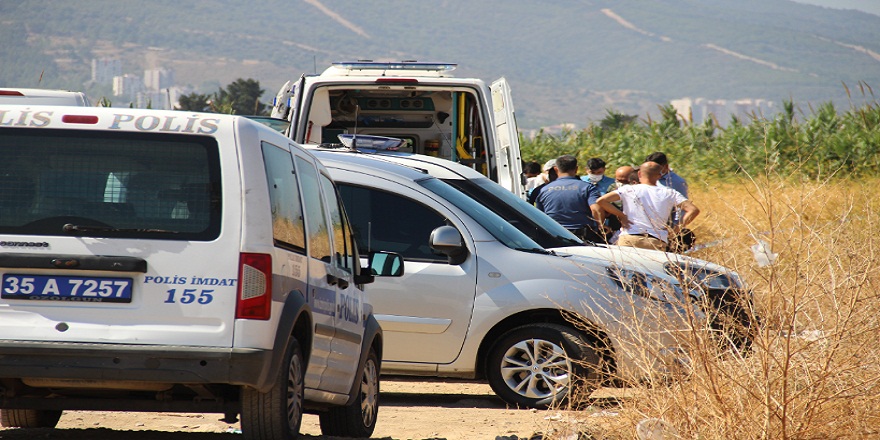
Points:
(641, 242)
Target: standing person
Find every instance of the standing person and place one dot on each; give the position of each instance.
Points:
(621, 177)
(568, 200)
(668, 179)
(596, 175)
(646, 210)
(547, 175)
(685, 240)
(532, 171)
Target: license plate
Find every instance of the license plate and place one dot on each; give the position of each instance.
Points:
(63, 288)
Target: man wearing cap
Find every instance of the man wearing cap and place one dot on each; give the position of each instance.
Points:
(548, 174)
(596, 174)
(568, 200)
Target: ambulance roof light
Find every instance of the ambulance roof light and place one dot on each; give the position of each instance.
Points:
(402, 65)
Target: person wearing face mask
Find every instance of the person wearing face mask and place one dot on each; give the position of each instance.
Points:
(596, 175)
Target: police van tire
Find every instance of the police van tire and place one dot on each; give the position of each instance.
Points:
(542, 365)
(29, 418)
(358, 419)
(276, 414)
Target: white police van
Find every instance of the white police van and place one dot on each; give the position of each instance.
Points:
(459, 119)
(171, 261)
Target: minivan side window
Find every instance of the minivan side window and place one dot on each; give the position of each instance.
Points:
(287, 216)
(382, 220)
(340, 235)
(316, 224)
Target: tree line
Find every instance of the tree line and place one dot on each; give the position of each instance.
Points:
(241, 97)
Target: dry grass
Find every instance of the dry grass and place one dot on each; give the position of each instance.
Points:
(814, 368)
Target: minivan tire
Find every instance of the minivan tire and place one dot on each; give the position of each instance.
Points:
(359, 418)
(541, 365)
(277, 413)
(29, 418)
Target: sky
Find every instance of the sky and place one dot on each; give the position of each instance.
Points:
(871, 6)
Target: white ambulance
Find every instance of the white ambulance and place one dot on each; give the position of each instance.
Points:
(173, 261)
(459, 119)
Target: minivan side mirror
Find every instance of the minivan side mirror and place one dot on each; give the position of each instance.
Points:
(448, 241)
(380, 264)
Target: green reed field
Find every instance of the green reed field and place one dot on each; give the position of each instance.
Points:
(806, 184)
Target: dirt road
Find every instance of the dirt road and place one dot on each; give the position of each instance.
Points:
(416, 410)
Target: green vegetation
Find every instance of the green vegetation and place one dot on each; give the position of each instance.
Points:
(819, 143)
(241, 97)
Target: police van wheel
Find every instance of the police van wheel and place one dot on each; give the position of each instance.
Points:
(359, 418)
(29, 418)
(542, 365)
(276, 414)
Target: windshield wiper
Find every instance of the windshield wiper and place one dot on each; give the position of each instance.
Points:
(70, 228)
(536, 251)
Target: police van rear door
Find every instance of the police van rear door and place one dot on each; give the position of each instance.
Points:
(111, 223)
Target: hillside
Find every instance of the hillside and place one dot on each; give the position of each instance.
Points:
(567, 61)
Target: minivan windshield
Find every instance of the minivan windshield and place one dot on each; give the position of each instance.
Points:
(525, 217)
(501, 229)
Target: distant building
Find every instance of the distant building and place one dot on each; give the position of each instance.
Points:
(127, 86)
(158, 79)
(165, 99)
(722, 110)
(105, 69)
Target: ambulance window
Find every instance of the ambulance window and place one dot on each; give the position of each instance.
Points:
(340, 236)
(287, 217)
(316, 222)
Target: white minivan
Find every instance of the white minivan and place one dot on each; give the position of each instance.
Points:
(458, 119)
(173, 261)
(481, 299)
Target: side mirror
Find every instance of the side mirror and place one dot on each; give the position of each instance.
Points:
(447, 240)
(380, 264)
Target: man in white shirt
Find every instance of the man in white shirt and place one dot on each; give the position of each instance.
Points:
(646, 210)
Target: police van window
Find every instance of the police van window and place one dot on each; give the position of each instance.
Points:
(287, 216)
(319, 246)
(102, 184)
(340, 232)
(386, 221)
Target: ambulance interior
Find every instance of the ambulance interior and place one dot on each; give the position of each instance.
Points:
(442, 122)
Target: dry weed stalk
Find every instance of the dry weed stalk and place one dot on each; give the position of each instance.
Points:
(813, 370)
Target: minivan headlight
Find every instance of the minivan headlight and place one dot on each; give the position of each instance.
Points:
(647, 286)
(691, 273)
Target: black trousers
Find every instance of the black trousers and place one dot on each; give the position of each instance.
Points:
(587, 233)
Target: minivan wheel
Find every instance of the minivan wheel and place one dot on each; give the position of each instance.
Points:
(359, 418)
(29, 418)
(541, 365)
(277, 413)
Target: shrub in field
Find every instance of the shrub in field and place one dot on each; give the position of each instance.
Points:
(813, 367)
